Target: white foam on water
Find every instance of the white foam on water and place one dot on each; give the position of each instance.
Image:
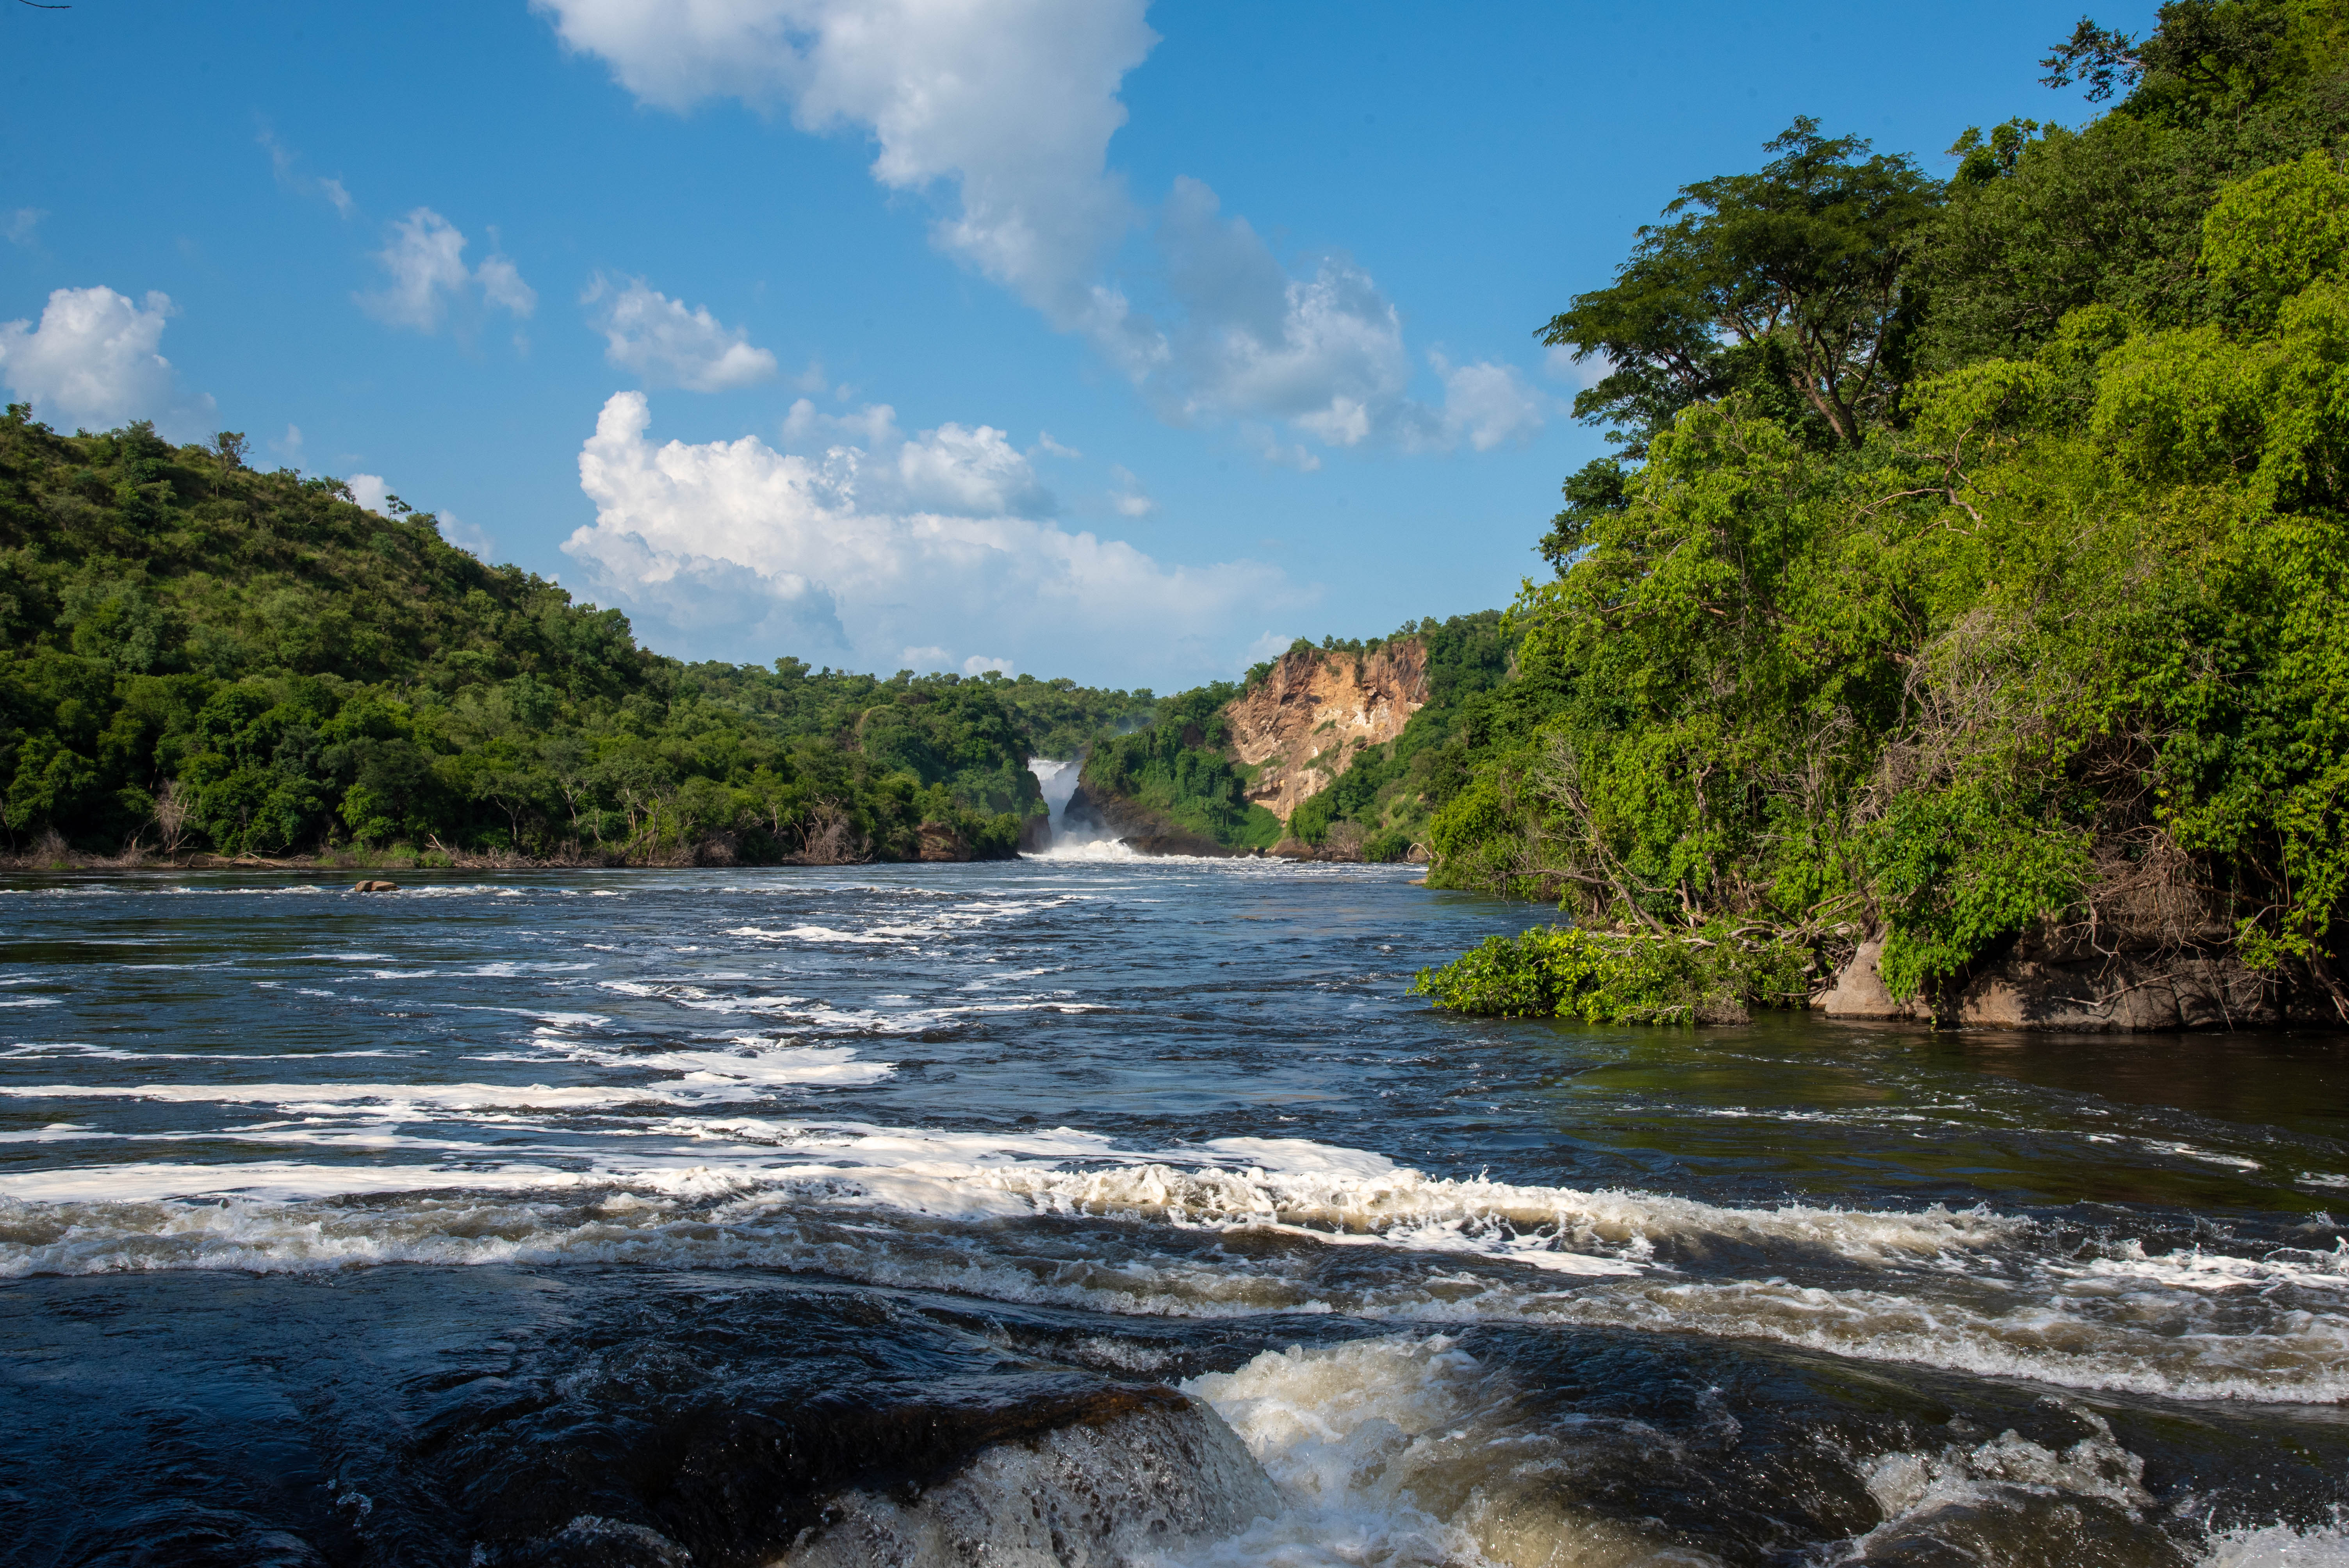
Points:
(817, 933)
(2280, 1546)
(1403, 1453)
(1965, 1290)
(54, 1132)
(1096, 850)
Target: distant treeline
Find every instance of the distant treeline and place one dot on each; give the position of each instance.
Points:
(201, 656)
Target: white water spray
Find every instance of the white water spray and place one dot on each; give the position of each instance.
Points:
(1078, 841)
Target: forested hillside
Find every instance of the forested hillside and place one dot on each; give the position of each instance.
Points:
(199, 657)
(1974, 561)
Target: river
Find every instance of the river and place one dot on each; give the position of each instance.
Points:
(1096, 1210)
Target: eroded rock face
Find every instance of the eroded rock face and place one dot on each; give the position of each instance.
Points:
(2045, 983)
(1307, 721)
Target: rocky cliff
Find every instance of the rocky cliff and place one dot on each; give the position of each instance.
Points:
(1303, 725)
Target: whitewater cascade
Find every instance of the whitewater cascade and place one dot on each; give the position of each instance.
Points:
(1073, 841)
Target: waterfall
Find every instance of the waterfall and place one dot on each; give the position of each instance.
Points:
(1085, 839)
(1059, 781)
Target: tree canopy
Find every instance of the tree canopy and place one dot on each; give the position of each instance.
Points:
(199, 657)
(2044, 631)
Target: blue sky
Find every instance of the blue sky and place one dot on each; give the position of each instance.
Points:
(1069, 336)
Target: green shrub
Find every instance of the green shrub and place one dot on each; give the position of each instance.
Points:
(1616, 977)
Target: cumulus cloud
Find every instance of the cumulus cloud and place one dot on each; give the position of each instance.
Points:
(464, 535)
(874, 543)
(93, 362)
(371, 492)
(669, 346)
(1129, 499)
(1487, 405)
(1010, 105)
(426, 278)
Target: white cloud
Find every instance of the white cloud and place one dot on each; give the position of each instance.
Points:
(881, 542)
(464, 535)
(970, 472)
(1044, 443)
(1323, 354)
(1128, 497)
(667, 344)
(1272, 449)
(1012, 103)
(502, 287)
(428, 278)
(21, 224)
(289, 445)
(979, 664)
(371, 492)
(93, 363)
(283, 162)
(1271, 645)
(1487, 405)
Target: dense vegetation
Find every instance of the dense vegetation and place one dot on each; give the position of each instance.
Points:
(1386, 793)
(1618, 976)
(199, 657)
(1176, 768)
(1975, 556)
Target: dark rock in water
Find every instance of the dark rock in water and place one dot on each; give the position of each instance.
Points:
(375, 886)
(1035, 835)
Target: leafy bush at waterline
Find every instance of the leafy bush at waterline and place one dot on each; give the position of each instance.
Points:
(1618, 977)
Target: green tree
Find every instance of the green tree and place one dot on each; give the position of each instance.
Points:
(1790, 283)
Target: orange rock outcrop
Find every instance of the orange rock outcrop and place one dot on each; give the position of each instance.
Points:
(1307, 721)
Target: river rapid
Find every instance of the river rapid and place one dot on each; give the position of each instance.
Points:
(1089, 1210)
